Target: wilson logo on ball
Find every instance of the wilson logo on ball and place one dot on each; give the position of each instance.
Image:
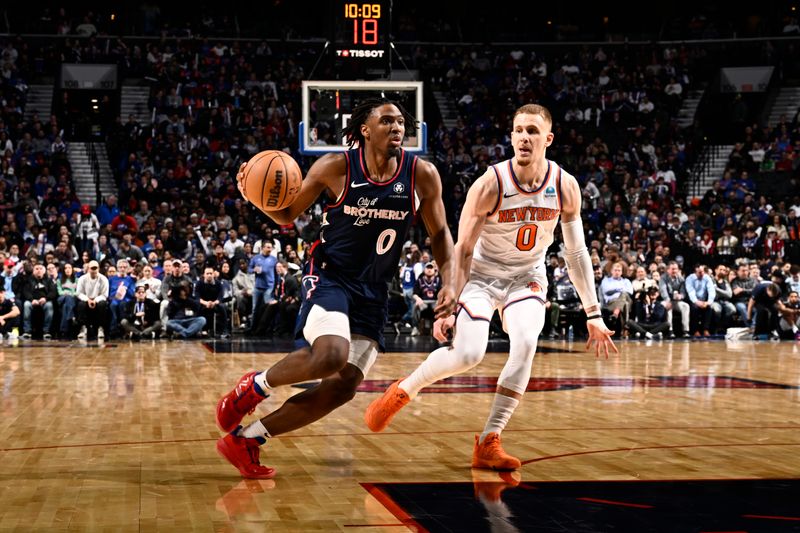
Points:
(274, 192)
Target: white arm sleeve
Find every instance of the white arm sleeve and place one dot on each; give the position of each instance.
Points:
(579, 265)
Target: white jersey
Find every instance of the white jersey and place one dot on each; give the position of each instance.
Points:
(519, 230)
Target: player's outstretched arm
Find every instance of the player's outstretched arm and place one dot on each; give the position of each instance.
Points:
(482, 198)
(328, 172)
(579, 266)
(429, 189)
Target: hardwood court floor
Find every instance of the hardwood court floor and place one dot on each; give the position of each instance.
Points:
(121, 438)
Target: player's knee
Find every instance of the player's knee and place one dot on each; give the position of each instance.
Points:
(330, 355)
(343, 390)
(471, 355)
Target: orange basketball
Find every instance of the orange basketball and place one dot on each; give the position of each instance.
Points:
(272, 180)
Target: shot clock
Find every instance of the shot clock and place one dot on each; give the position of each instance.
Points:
(361, 34)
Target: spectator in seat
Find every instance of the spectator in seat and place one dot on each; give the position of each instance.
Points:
(773, 245)
(243, 285)
(765, 300)
(67, 287)
(552, 311)
(723, 308)
(9, 316)
(128, 250)
(289, 300)
(673, 295)
(727, 245)
(124, 223)
(120, 294)
(7, 279)
(642, 282)
(408, 280)
(263, 266)
(702, 291)
(742, 287)
(92, 294)
(616, 293)
(183, 312)
(793, 280)
(426, 290)
(38, 293)
(151, 284)
(649, 316)
(108, 211)
(88, 230)
(141, 316)
(789, 323)
(208, 291)
(276, 319)
(173, 279)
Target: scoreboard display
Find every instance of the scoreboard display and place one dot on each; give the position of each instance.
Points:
(361, 35)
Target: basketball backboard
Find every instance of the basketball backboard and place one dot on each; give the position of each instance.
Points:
(327, 106)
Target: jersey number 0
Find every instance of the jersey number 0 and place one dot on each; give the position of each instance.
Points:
(526, 237)
(385, 241)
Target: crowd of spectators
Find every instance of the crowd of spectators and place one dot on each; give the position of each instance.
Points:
(210, 263)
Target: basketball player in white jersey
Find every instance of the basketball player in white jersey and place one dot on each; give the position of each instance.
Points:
(506, 226)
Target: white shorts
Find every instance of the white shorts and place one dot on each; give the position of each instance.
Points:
(321, 322)
(483, 293)
(363, 351)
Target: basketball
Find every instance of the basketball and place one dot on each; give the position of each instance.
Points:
(272, 180)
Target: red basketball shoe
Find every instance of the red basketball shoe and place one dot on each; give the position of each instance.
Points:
(243, 453)
(241, 401)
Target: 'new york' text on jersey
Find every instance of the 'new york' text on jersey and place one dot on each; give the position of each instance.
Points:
(519, 230)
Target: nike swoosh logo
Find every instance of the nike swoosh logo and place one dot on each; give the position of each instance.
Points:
(355, 185)
(510, 195)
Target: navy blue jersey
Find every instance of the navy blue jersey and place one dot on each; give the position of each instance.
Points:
(362, 234)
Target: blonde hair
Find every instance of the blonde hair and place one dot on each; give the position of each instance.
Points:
(535, 109)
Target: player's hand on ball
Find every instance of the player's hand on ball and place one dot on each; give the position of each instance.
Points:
(239, 180)
(599, 333)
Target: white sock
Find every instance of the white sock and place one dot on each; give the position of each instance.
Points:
(261, 381)
(438, 365)
(256, 430)
(502, 409)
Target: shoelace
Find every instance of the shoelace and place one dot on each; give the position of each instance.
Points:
(243, 395)
(494, 447)
(252, 451)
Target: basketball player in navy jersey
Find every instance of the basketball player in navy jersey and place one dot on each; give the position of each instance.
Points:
(506, 227)
(373, 189)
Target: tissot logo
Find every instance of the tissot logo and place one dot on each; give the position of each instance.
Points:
(359, 53)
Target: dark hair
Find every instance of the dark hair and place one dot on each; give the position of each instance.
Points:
(360, 114)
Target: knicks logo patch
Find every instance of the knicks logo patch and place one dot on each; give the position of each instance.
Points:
(534, 286)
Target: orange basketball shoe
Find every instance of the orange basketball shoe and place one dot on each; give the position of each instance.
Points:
(490, 454)
(243, 453)
(381, 411)
(242, 400)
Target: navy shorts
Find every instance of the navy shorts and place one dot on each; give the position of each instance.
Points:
(365, 304)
